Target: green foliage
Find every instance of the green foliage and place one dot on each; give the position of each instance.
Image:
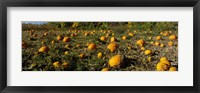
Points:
(134, 58)
(155, 26)
(118, 30)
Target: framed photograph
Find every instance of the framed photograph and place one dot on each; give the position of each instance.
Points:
(99, 46)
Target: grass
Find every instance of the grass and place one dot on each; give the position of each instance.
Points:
(134, 58)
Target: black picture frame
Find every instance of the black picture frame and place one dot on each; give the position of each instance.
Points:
(100, 3)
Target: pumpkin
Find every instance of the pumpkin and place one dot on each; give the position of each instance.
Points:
(59, 37)
(86, 34)
(147, 52)
(56, 64)
(142, 48)
(124, 37)
(52, 41)
(166, 33)
(44, 49)
(129, 47)
(157, 43)
(150, 38)
(66, 39)
(172, 37)
(165, 60)
(45, 34)
(82, 55)
(152, 42)
(158, 37)
(161, 45)
(162, 66)
(115, 61)
(105, 69)
(43, 42)
(78, 45)
(131, 34)
(91, 46)
(66, 52)
(112, 46)
(99, 55)
(149, 59)
(170, 43)
(113, 34)
(103, 38)
(140, 42)
(172, 69)
(112, 39)
(107, 35)
(65, 65)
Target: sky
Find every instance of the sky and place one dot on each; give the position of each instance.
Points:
(34, 22)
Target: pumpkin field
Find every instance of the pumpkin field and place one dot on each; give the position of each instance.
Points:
(100, 46)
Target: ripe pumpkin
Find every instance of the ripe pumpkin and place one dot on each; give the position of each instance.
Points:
(157, 43)
(99, 55)
(158, 37)
(151, 42)
(129, 47)
(124, 37)
(103, 38)
(66, 52)
(52, 41)
(65, 65)
(66, 39)
(43, 42)
(172, 37)
(172, 69)
(170, 43)
(163, 59)
(45, 34)
(150, 38)
(82, 55)
(131, 34)
(56, 64)
(107, 35)
(115, 61)
(59, 37)
(67, 46)
(147, 52)
(86, 34)
(140, 42)
(166, 33)
(161, 45)
(149, 59)
(113, 34)
(166, 62)
(162, 66)
(105, 69)
(78, 45)
(112, 46)
(112, 39)
(44, 49)
(142, 48)
(91, 46)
